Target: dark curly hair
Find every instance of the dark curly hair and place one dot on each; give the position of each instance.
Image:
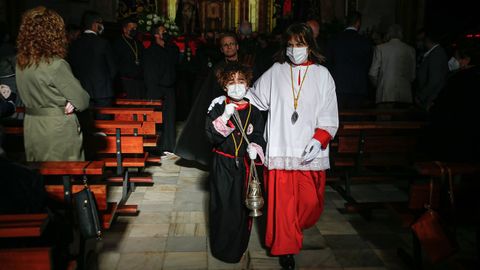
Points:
(41, 37)
(226, 73)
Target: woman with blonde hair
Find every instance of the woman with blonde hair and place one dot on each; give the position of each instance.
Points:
(48, 89)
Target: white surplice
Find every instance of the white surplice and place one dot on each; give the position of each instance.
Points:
(317, 108)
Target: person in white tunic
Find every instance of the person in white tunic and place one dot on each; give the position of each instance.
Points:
(393, 70)
(299, 95)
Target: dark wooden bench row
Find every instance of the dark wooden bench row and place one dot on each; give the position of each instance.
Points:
(157, 103)
(365, 152)
(33, 225)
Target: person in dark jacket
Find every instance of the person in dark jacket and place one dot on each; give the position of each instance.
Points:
(92, 63)
(199, 148)
(456, 110)
(433, 71)
(159, 72)
(129, 56)
(349, 56)
(230, 223)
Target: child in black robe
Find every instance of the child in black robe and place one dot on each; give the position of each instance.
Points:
(229, 219)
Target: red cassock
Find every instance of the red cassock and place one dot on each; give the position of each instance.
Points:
(295, 202)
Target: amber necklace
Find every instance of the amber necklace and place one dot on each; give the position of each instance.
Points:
(297, 96)
(237, 146)
(134, 50)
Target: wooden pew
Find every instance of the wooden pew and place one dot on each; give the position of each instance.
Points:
(125, 127)
(150, 117)
(69, 169)
(124, 150)
(158, 103)
(22, 225)
(132, 114)
(379, 114)
(150, 111)
(109, 127)
(26, 259)
(365, 152)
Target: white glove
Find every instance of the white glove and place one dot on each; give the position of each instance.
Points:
(217, 100)
(252, 152)
(229, 110)
(311, 151)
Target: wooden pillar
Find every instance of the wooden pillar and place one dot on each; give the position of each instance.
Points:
(262, 16)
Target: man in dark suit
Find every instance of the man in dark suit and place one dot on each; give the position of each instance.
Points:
(92, 63)
(432, 72)
(349, 56)
(159, 72)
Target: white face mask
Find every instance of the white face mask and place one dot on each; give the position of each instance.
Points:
(453, 64)
(297, 55)
(236, 91)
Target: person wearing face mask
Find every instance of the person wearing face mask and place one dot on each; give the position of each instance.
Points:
(198, 149)
(299, 95)
(161, 59)
(91, 59)
(128, 53)
(229, 219)
(453, 64)
(457, 106)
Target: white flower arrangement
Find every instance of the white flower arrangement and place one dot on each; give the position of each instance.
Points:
(146, 21)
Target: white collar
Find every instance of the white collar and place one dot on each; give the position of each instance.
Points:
(429, 51)
(88, 31)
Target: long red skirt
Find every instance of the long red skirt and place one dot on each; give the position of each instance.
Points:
(294, 202)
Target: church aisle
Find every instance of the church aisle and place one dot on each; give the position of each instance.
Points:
(170, 232)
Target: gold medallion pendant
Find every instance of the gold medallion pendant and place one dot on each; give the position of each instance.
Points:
(294, 117)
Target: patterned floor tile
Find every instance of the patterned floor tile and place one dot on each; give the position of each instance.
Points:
(186, 244)
(316, 259)
(143, 244)
(152, 218)
(335, 227)
(345, 242)
(149, 230)
(141, 261)
(185, 260)
(357, 258)
(108, 260)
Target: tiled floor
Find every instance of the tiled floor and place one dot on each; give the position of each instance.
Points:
(170, 232)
